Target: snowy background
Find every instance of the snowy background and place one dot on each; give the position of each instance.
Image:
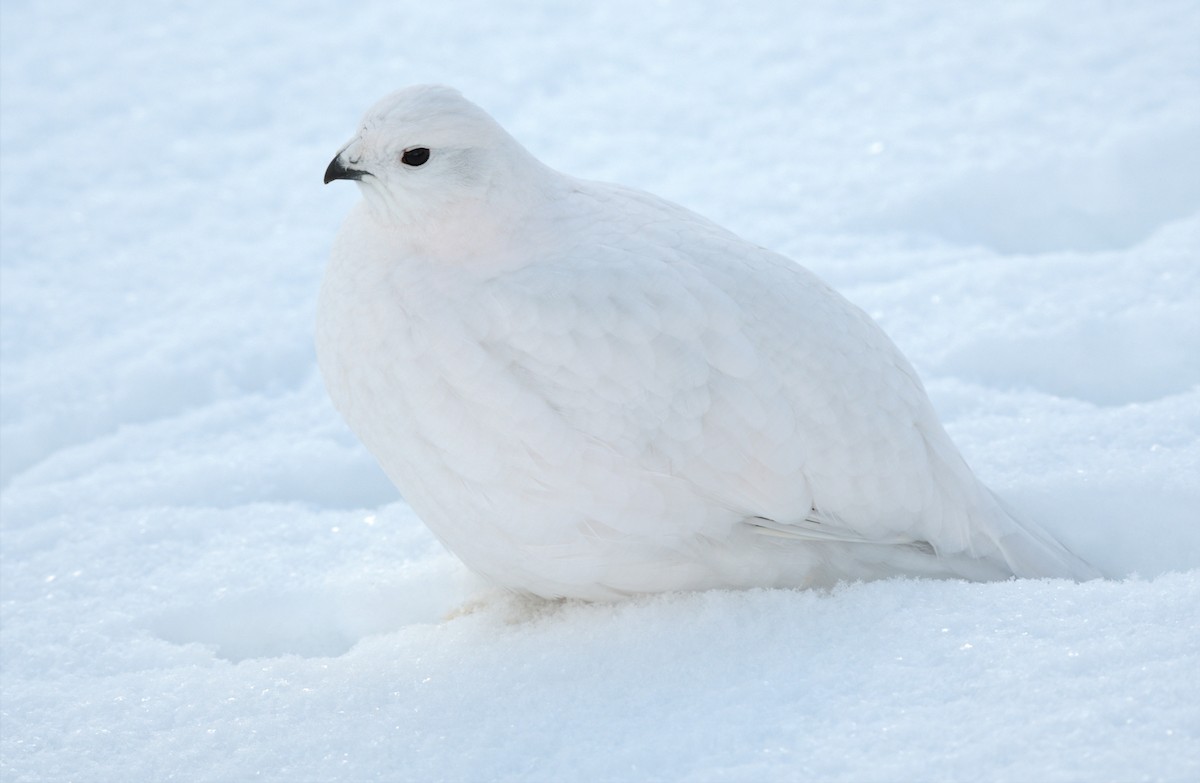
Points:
(205, 578)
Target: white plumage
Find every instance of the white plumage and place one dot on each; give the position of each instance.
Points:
(587, 391)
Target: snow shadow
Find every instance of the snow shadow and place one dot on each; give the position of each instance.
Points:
(1116, 528)
(1128, 358)
(1110, 200)
(309, 624)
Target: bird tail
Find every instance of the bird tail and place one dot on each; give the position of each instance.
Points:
(1030, 551)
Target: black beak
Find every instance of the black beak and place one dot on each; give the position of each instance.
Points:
(338, 170)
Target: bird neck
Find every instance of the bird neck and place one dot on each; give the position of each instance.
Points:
(489, 226)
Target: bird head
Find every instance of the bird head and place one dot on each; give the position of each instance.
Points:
(429, 161)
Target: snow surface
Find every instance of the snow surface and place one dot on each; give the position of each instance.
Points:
(204, 577)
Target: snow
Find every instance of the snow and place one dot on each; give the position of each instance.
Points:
(204, 577)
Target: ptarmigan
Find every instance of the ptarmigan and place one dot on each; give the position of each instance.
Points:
(587, 391)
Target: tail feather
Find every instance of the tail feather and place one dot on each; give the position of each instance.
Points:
(1031, 552)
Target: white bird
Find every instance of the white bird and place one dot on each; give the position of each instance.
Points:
(587, 391)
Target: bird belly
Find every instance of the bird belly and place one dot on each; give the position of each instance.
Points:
(521, 495)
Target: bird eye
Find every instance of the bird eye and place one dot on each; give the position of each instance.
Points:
(415, 156)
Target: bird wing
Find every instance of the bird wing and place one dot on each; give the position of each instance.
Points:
(703, 359)
(811, 529)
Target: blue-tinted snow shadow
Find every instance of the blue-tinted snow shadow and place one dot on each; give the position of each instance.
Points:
(314, 623)
(1105, 360)
(1120, 530)
(1110, 199)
